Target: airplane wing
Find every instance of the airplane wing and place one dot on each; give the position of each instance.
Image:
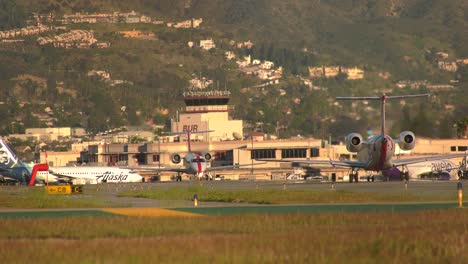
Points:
(9, 179)
(5, 170)
(59, 176)
(151, 168)
(333, 163)
(404, 162)
(227, 167)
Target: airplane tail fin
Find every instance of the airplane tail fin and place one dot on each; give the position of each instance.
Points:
(383, 99)
(188, 133)
(8, 159)
(36, 168)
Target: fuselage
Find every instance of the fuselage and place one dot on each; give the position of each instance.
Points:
(21, 172)
(377, 153)
(92, 175)
(440, 169)
(195, 164)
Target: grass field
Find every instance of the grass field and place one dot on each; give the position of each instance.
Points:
(271, 196)
(422, 237)
(37, 197)
(427, 236)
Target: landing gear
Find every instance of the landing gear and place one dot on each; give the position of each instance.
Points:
(178, 177)
(370, 178)
(353, 175)
(404, 175)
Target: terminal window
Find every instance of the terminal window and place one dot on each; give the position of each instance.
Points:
(314, 152)
(462, 148)
(293, 153)
(263, 154)
(156, 158)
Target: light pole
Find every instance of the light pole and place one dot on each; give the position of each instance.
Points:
(159, 153)
(251, 156)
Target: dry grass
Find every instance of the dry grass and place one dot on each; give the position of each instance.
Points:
(422, 237)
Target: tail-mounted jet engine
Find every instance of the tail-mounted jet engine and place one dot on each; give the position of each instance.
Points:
(407, 140)
(176, 158)
(354, 142)
(207, 156)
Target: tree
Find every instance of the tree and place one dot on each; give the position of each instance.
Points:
(11, 15)
(422, 124)
(462, 127)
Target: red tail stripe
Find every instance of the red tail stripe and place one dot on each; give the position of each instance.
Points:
(199, 164)
(36, 168)
(383, 153)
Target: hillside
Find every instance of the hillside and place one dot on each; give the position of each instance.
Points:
(391, 41)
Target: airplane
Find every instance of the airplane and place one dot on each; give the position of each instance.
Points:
(14, 169)
(463, 170)
(440, 170)
(89, 175)
(193, 163)
(375, 153)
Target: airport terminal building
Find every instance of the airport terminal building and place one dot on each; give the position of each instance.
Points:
(244, 152)
(209, 111)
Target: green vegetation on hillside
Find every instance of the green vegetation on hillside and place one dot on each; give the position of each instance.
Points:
(396, 39)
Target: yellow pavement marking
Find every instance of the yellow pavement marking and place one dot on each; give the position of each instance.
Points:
(148, 212)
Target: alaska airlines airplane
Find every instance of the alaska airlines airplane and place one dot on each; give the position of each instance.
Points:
(375, 153)
(89, 175)
(13, 168)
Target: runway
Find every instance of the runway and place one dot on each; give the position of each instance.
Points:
(228, 210)
(186, 208)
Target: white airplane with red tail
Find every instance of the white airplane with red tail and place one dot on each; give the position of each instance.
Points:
(197, 164)
(375, 153)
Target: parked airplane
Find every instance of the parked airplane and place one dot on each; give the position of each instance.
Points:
(14, 169)
(193, 163)
(89, 175)
(463, 170)
(440, 170)
(375, 153)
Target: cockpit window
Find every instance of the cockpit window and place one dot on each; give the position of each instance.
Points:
(198, 160)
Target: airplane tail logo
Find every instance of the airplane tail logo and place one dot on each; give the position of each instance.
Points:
(8, 159)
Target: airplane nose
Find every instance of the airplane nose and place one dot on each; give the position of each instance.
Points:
(137, 178)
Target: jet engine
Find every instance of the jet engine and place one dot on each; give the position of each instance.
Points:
(176, 158)
(407, 140)
(207, 156)
(354, 142)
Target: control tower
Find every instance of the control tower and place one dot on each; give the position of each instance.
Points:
(207, 110)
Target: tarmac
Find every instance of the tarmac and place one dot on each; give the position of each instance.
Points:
(129, 206)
